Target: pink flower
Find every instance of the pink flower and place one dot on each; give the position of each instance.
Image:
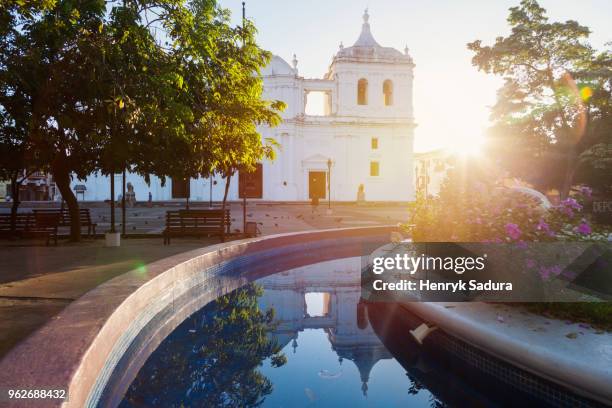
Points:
(543, 226)
(586, 191)
(572, 203)
(584, 228)
(530, 263)
(545, 272)
(513, 231)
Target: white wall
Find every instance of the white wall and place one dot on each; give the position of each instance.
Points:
(98, 188)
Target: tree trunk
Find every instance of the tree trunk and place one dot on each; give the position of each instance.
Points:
(112, 201)
(16, 202)
(61, 175)
(570, 170)
(228, 179)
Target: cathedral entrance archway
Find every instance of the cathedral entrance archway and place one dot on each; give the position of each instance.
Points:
(316, 184)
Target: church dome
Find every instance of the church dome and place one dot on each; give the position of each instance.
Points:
(277, 66)
(366, 49)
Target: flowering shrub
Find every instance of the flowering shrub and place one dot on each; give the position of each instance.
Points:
(471, 210)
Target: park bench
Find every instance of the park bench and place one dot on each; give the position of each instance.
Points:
(22, 223)
(46, 225)
(205, 222)
(64, 218)
(30, 225)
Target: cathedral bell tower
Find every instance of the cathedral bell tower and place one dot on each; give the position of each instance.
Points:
(373, 81)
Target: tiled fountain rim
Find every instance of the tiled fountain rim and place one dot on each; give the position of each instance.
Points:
(70, 351)
(585, 370)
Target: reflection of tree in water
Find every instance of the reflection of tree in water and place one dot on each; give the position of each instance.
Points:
(416, 386)
(211, 359)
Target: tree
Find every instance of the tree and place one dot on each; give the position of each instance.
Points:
(135, 75)
(545, 110)
(595, 161)
(83, 68)
(47, 69)
(155, 87)
(17, 158)
(202, 100)
(225, 83)
(16, 163)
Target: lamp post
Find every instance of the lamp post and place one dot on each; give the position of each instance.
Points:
(123, 204)
(210, 179)
(329, 165)
(242, 186)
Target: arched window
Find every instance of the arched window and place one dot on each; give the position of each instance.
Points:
(362, 92)
(388, 92)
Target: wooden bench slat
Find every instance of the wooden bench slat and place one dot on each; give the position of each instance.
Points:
(31, 224)
(84, 217)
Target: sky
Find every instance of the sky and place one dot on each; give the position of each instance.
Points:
(451, 97)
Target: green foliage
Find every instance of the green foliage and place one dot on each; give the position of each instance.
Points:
(156, 87)
(595, 166)
(555, 98)
(216, 363)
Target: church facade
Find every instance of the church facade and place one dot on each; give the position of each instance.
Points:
(362, 141)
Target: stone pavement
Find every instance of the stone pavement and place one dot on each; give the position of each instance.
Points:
(37, 282)
(271, 218)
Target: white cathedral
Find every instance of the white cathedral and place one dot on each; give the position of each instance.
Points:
(364, 137)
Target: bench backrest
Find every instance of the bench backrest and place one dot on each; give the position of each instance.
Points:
(46, 220)
(23, 221)
(197, 218)
(64, 214)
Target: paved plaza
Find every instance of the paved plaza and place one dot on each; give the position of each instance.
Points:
(271, 218)
(37, 282)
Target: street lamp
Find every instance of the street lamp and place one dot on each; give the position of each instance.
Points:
(329, 164)
(210, 179)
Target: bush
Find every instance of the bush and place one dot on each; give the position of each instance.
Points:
(472, 209)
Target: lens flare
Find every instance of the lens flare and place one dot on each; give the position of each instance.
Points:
(141, 268)
(579, 108)
(585, 93)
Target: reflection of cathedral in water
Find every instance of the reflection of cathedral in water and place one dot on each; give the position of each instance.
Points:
(325, 296)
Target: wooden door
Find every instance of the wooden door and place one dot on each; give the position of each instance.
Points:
(316, 184)
(180, 188)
